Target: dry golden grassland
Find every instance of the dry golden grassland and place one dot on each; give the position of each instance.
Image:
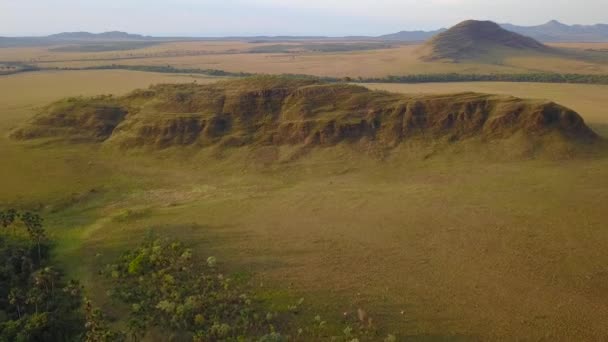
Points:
(585, 46)
(454, 246)
(233, 56)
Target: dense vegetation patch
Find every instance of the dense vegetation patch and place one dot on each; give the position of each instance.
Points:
(167, 287)
(36, 303)
(457, 77)
(8, 68)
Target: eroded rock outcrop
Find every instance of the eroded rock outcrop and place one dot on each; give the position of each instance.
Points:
(275, 110)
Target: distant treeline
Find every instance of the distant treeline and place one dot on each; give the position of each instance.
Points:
(165, 69)
(413, 78)
(208, 72)
(7, 68)
(454, 77)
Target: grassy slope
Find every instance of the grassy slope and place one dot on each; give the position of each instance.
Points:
(465, 247)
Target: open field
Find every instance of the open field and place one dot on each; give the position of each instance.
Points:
(585, 46)
(311, 57)
(452, 247)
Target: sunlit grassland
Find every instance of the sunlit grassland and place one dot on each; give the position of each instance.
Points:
(464, 246)
(235, 56)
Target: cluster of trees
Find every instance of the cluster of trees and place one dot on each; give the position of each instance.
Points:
(36, 304)
(165, 69)
(166, 289)
(530, 77)
(413, 78)
(13, 68)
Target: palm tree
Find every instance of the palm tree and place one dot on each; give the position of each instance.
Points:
(33, 224)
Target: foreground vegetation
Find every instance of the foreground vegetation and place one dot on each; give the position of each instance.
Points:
(36, 303)
(162, 282)
(167, 287)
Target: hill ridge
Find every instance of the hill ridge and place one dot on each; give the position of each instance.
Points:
(556, 31)
(108, 35)
(278, 111)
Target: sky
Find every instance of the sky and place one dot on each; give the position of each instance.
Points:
(212, 18)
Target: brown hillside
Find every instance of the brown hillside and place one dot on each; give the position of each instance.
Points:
(473, 39)
(277, 111)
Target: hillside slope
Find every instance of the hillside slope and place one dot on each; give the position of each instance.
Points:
(475, 39)
(277, 111)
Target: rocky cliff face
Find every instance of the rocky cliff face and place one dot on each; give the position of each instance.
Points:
(278, 111)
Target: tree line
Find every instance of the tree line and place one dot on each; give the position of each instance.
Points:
(412, 78)
(537, 77)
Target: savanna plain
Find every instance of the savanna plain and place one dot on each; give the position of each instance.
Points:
(435, 241)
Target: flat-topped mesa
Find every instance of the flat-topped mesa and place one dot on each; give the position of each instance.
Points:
(277, 111)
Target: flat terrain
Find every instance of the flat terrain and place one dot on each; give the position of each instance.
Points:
(310, 57)
(454, 246)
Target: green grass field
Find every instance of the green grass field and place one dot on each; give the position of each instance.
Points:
(453, 247)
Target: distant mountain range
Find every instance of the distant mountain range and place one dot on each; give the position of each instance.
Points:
(411, 36)
(105, 36)
(553, 31)
(76, 38)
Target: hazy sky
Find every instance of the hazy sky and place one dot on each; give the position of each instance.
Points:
(276, 17)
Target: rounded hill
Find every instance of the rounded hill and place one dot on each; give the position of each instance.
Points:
(472, 39)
